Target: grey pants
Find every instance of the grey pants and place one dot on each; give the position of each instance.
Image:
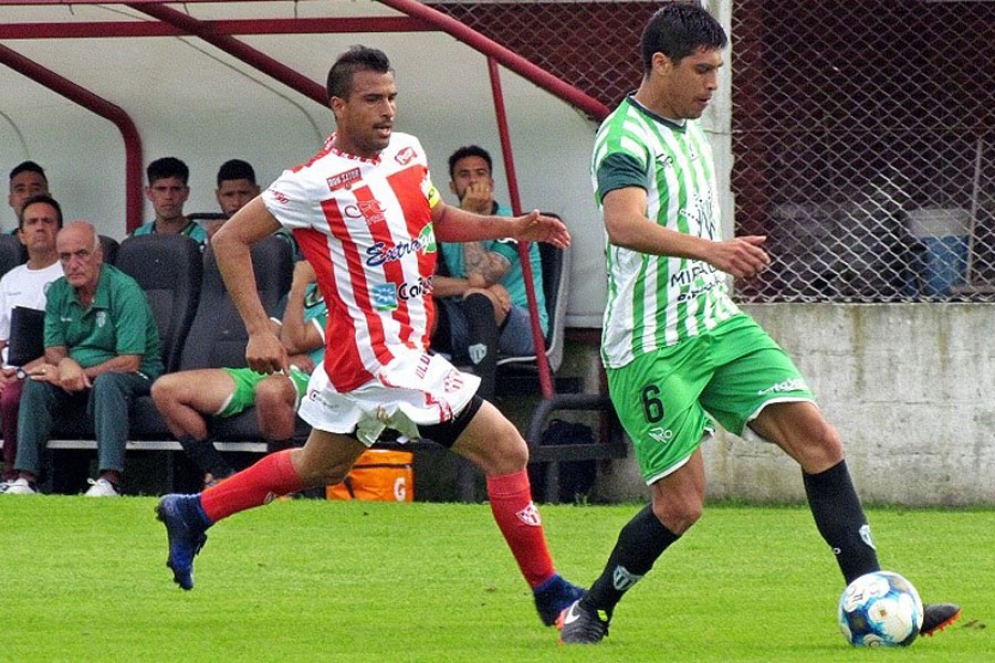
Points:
(107, 406)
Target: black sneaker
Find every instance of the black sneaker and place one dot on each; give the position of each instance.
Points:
(185, 532)
(555, 596)
(938, 616)
(579, 626)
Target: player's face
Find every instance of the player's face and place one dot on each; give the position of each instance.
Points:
(689, 84)
(81, 257)
(23, 186)
(365, 120)
(470, 172)
(167, 196)
(234, 194)
(39, 227)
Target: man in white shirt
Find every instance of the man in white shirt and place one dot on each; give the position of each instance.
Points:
(26, 285)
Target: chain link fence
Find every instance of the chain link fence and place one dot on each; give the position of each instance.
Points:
(863, 132)
(864, 146)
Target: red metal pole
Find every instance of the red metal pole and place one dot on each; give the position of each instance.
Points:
(237, 49)
(506, 57)
(545, 374)
(105, 109)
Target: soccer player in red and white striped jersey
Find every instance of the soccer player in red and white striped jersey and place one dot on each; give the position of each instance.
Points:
(367, 217)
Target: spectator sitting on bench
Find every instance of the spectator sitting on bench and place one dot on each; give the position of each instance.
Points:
(25, 285)
(236, 187)
(480, 286)
(102, 351)
(185, 398)
(168, 191)
(27, 179)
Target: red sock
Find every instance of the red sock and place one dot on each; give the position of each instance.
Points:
(519, 521)
(272, 476)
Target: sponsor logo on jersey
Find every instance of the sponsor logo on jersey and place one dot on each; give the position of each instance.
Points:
(372, 211)
(381, 254)
(387, 295)
(280, 196)
(623, 580)
(794, 384)
(530, 515)
(405, 156)
(692, 273)
(343, 180)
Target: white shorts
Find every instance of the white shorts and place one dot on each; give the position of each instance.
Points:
(415, 389)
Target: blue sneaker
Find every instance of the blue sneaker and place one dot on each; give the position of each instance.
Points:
(185, 530)
(554, 596)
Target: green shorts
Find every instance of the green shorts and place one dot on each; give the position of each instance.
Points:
(246, 380)
(664, 399)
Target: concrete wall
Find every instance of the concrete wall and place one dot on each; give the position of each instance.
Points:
(909, 387)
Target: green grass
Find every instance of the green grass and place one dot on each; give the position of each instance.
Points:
(308, 580)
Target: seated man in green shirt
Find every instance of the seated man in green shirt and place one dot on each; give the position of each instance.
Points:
(101, 352)
(480, 286)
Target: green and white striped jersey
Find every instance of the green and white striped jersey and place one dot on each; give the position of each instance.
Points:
(658, 301)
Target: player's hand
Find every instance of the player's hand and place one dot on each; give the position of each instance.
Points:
(478, 198)
(303, 272)
(68, 374)
(264, 353)
(502, 296)
(535, 227)
(303, 362)
(742, 257)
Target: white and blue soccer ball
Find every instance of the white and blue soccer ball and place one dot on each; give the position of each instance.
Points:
(880, 609)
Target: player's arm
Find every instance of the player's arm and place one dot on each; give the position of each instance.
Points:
(628, 227)
(453, 224)
(483, 268)
(232, 244)
(297, 335)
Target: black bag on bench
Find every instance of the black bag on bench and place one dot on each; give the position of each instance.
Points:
(576, 477)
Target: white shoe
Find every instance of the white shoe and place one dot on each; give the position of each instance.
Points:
(101, 488)
(19, 487)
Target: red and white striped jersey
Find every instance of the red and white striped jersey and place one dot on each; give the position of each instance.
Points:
(365, 226)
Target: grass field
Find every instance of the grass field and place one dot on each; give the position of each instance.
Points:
(309, 580)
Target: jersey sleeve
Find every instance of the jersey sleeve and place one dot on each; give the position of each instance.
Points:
(620, 170)
(506, 248)
(287, 200)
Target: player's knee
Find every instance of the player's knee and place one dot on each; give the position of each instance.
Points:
(163, 392)
(824, 450)
(679, 516)
(503, 452)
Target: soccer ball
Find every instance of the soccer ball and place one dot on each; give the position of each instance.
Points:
(880, 609)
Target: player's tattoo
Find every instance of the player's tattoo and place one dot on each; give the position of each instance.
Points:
(488, 265)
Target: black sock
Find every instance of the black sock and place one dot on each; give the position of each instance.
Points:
(483, 345)
(841, 521)
(640, 543)
(205, 456)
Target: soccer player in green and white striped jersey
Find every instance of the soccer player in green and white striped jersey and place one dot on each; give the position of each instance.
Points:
(676, 349)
